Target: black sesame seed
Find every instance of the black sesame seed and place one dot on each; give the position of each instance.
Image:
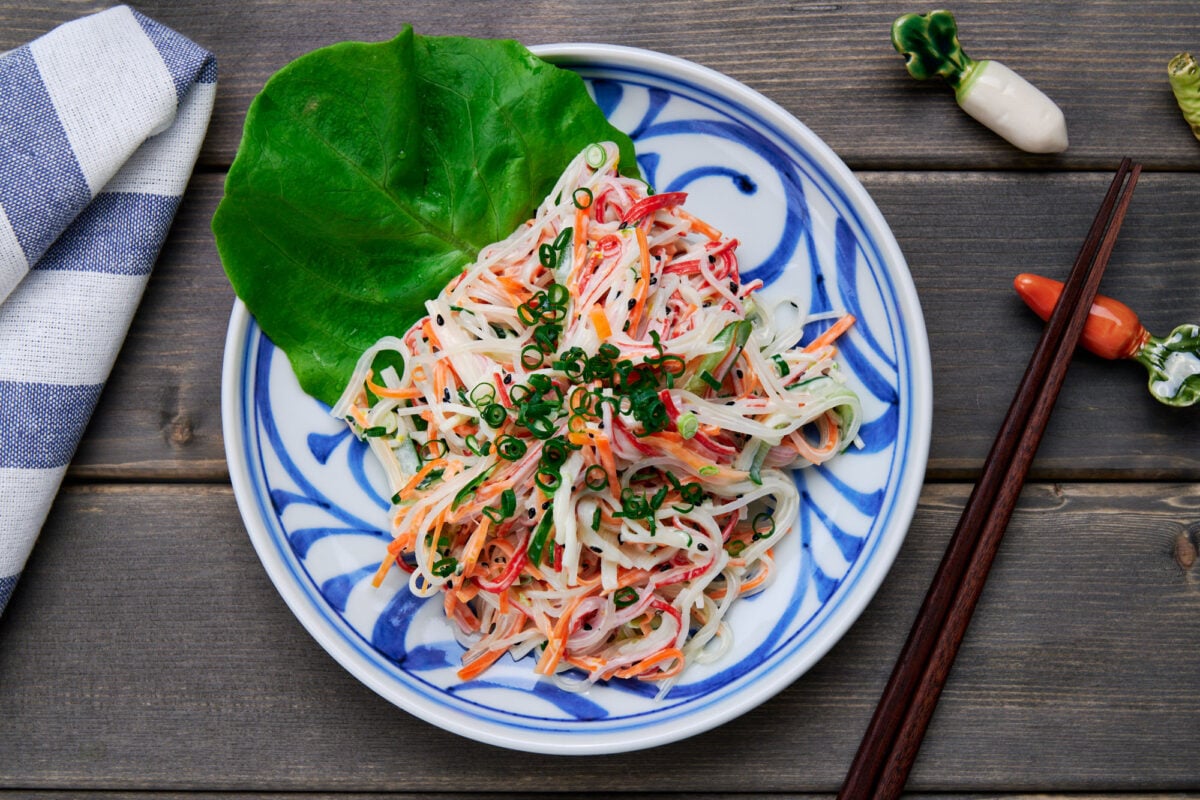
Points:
(532, 513)
(441, 320)
(733, 287)
(712, 259)
(446, 395)
(545, 505)
(595, 549)
(508, 377)
(702, 547)
(632, 302)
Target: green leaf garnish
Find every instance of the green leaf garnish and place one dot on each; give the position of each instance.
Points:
(370, 174)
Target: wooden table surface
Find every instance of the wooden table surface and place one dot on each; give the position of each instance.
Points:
(146, 649)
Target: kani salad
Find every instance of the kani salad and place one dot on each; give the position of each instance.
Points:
(588, 433)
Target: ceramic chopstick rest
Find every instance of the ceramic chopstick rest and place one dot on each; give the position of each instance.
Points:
(987, 90)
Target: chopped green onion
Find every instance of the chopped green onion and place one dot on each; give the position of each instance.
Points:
(434, 448)
(555, 452)
(546, 337)
(444, 568)
(708, 378)
(430, 479)
(532, 357)
(376, 430)
(782, 366)
(760, 456)
(475, 447)
(470, 488)
(760, 525)
(537, 542)
(508, 505)
(692, 493)
(710, 469)
(688, 425)
(547, 480)
(596, 478)
(510, 447)
(596, 517)
(527, 314)
(625, 597)
(541, 427)
(494, 415)
(657, 500)
(595, 156)
(482, 394)
(582, 197)
(561, 241)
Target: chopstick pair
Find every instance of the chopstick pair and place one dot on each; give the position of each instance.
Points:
(889, 746)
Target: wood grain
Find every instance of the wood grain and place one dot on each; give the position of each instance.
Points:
(829, 63)
(145, 650)
(965, 236)
(149, 627)
(50, 794)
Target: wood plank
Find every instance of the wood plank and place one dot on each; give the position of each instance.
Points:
(49, 794)
(160, 413)
(965, 236)
(830, 64)
(146, 649)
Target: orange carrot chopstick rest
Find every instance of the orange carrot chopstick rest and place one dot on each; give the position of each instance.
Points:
(1114, 331)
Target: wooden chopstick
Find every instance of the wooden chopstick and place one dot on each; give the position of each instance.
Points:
(881, 765)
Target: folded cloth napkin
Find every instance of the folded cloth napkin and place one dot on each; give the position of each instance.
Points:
(101, 121)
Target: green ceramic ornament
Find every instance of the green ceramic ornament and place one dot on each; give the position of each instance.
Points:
(1184, 74)
(1174, 365)
(987, 90)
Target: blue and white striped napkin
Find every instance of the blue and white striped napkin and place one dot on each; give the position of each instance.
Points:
(101, 121)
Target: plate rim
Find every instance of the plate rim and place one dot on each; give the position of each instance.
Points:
(918, 366)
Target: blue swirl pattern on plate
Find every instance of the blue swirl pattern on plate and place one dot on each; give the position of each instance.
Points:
(323, 500)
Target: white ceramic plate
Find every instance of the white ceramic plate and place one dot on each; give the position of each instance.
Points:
(314, 503)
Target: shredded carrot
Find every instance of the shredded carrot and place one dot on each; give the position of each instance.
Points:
(643, 284)
(579, 239)
(600, 322)
(651, 660)
(700, 226)
(385, 567)
(406, 393)
(604, 449)
(557, 641)
(758, 579)
(424, 471)
(479, 665)
(830, 336)
(475, 545)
